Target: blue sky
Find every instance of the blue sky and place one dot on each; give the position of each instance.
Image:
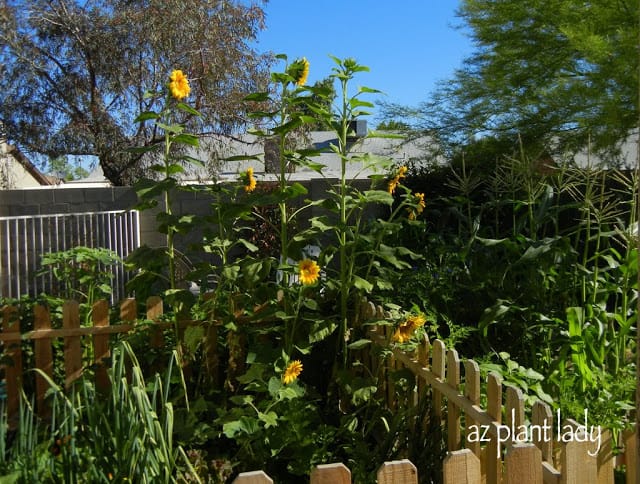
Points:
(409, 45)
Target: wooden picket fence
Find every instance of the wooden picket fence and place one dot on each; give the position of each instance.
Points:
(72, 334)
(496, 458)
(394, 472)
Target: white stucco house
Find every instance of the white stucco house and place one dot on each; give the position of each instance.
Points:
(16, 171)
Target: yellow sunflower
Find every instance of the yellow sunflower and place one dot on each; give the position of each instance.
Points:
(292, 372)
(420, 206)
(179, 85)
(405, 331)
(309, 271)
(250, 181)
(393, 183)
(300, 71)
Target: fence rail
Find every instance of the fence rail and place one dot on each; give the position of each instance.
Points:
(24, 239)
(499, 447)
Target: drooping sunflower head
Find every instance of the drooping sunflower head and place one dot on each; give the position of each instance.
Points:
(308, 271)
(299, 71)
(179, 84)
(249, 181)
(292, 372)
(395, 181)
(408, 327)
(419, 208)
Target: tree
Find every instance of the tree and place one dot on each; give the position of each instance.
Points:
(75, 72)
(565, 70)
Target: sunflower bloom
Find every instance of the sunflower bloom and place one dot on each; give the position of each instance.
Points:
(419, 208)
(179, 85)
(405, 331)
(292, 372)
(302, 71)
(393, 183)
(309, 271)
(250, 181)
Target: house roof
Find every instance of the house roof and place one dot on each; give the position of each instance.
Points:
(37, 175)
(214, 150)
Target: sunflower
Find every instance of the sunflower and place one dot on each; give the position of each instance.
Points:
(250, 181)
(299, 70)
(292, 372)
(419, 208)
(309, 271)
(406, 329)
(179, 85)
(393, 183)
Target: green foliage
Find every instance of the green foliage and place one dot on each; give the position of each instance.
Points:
(90, 437)
(554, 71)
(541, 263)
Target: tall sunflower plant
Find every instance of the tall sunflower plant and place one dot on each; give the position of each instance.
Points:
(167, 157)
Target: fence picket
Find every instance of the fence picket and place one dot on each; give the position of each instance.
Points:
(253, 477)
(542, 418)
(514, 406)
(101, 349)
(492, 461)
(630, 446)
(72, 344)
(461, 467)
(154, 311)
(523, 464)
(453, 411)
(13, 370)
(397, 472)
(576, 465)
(438, 369)
(606, 461)
(331, 474)
(43, 353)
(472, 392)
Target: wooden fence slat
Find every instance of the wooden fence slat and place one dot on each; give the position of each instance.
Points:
(630, 453)
(438, 369)
(492, 462)
(606, 460)
(43, 354)
(253, 477)
(577, 466)
(128, 309)
(331, 474)
(472, 392)
(514, 415)
(461, 467)
(12, 370)
(453, 411)
(523, 464)
(542, 418)
(154, 311)
(101, 348)
(72, 344)
(397, 472)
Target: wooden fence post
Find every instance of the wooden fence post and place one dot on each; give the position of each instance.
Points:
(514, 407)
(72, 344)
(523, 464)
(492, 450)
(438, 369)
(577, 466)
(453, 411)
(43, 356)
(461, 467)
(154, 311)
(13, 370)
(331, 474)
(101, 349)
(606, 461)
(630, 453)
(472, 392)
(254, 477)
(542, 418)
(397, 472)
